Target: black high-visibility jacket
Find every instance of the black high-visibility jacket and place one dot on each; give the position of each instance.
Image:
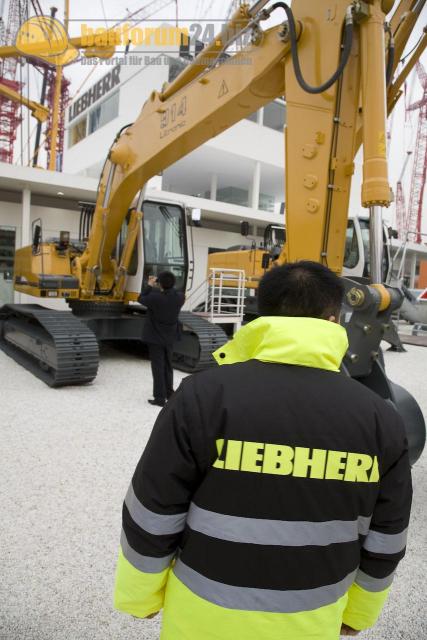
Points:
(273, 498)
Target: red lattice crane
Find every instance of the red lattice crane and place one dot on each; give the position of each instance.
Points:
(414, 215)
(10, 117)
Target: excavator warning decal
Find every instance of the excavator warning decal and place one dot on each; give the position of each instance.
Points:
(423, 295)
(223, 89)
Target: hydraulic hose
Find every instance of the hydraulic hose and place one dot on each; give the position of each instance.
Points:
(391, 55)
(126, 126)
(348, 42)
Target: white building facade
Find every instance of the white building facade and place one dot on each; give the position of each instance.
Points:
(243, 166)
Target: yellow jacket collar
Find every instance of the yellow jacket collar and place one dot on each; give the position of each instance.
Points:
(306, 342)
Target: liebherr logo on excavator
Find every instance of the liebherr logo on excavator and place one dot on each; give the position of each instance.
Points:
(173, 118)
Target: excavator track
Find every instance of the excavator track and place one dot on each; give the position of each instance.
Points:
(200, 339)
(193, 352)
(53, 345)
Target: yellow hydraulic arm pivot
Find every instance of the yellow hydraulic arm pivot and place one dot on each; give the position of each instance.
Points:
(329, 60)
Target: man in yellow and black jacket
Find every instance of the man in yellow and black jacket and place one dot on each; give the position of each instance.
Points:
(272, 501)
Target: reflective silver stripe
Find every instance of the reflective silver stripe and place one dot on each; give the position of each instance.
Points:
(385, 542)
(373, 584)
(158, 525)
(146, 564)
(364, 524)
(275, 532)
(268, 600)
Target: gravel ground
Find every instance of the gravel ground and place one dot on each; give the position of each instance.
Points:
(67, 458)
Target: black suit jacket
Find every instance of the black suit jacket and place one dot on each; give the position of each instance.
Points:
(161, 323)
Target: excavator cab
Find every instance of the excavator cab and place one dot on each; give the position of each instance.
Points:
(162, 244)
(164, 241)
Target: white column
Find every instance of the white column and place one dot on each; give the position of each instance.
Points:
(214, 186)
(256, 184)
(25, 233)
(26, 218)
(413, 271)
(260, 116)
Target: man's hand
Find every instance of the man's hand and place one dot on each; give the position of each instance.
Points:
(152, 281)
(348, 631)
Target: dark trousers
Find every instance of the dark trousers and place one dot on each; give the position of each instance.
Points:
(161, 367)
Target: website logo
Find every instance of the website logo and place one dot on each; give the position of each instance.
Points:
(46, 38)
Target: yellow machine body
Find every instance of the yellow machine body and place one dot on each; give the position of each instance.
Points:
(31, 269)
(248, 260)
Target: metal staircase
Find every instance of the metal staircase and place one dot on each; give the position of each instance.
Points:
(220, 298)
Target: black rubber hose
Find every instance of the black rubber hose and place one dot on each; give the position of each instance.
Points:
(348, 42)
(126, 126)
(80, 225)
(391, 56)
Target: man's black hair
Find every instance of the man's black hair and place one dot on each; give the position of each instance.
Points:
(301, 289)
(166, 280)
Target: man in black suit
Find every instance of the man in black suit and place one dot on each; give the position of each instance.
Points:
(160, 331)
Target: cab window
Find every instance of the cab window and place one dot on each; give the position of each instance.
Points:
(351, 255)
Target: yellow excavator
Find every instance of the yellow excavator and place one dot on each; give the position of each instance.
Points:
(334, 62)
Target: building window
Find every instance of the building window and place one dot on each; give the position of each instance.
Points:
(275, 115)
(77, 132)
(233, 195)
(266, 202)
(104, 113)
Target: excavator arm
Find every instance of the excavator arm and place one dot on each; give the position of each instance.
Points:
(326, 122)
(171, 125)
